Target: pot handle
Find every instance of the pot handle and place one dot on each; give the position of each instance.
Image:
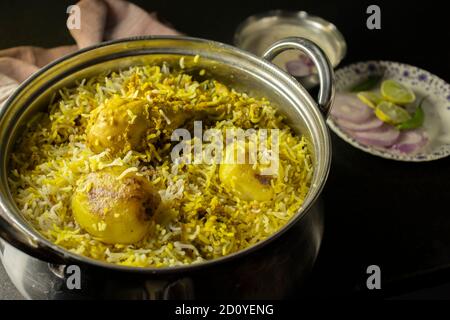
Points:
(316, 54)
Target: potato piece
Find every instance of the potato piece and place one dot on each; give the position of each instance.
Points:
(115, 209)
(244, 180)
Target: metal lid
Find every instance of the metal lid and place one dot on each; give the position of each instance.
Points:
(258, 32)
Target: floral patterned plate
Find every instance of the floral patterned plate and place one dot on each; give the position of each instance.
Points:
(424, 84)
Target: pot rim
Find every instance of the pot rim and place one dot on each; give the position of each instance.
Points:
(69, 257)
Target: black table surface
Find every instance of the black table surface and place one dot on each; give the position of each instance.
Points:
(391, 214)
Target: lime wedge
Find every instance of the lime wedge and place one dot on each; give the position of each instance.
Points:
(396, 92)
(391, 113)
(370, 99)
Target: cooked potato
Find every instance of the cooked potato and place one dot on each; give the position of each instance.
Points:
(245, 180)
(113, 208)
(119, 125)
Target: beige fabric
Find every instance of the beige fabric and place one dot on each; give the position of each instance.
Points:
(101, 20)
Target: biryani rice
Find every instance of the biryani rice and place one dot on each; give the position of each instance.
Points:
(203, 220)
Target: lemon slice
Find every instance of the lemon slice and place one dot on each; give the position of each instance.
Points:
(396, 92)
(370, 99)
(391, 113)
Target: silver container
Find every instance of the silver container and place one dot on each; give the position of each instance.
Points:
(258, 32)
(269, 269)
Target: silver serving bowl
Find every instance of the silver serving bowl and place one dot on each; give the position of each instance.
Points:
(271, 268)
(258, 32)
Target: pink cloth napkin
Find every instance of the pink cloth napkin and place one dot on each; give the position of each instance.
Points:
(101, 20)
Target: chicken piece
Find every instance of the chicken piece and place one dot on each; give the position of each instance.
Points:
(119, 125)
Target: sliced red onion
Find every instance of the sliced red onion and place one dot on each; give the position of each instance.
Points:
(371, 123)
(384, 136)
(410, 141)
(349, 107)
(307, 60)
(298, 68)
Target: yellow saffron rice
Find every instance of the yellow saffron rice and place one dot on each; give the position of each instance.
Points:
(203, 220)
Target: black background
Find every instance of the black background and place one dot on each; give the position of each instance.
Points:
(392, 214)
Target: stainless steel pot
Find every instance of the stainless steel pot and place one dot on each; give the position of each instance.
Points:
(270, 269)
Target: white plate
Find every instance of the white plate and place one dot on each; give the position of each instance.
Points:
(436, 106)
